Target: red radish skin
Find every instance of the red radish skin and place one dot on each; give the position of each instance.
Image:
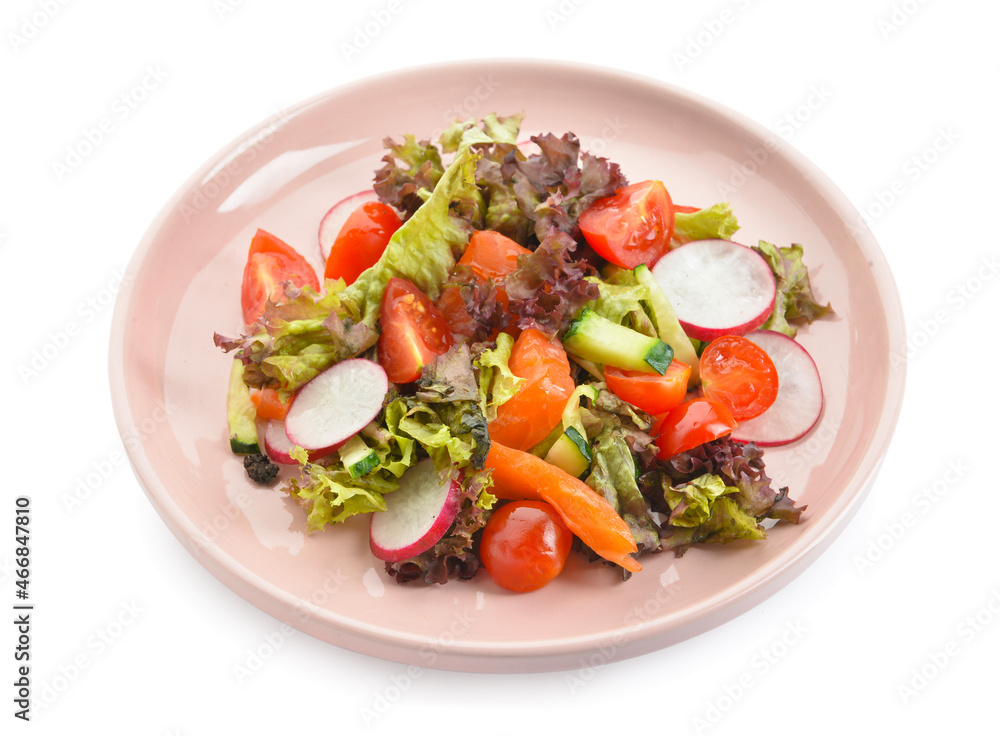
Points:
(336, 404)
(417, 514)
(333, 221)
(716, 287)
(279, 447)
(799, 403)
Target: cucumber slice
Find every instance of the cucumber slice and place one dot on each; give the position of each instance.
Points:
(242, 414)
(593, 337)
(571, 452)
(358, 458)
(667, 324)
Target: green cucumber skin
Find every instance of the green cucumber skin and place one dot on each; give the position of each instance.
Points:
(592, 337)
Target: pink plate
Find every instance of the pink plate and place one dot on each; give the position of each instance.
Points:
(168, 380)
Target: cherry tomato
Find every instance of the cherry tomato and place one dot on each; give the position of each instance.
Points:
(414, 331)
(361, 241)
(632, 227)
(527, 418)
(651, 392)
(456, 314)
(525, 545)
(694, 422)
(739, 374)
(270, 263)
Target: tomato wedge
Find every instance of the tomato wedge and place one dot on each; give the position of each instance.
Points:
(414, 331)
(739, 374)
(651, 392)
(361, 241)
(527, 418)
(693, 423)
(270, 264)
(632, 227)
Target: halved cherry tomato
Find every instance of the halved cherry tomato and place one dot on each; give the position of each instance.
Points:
(737, 373)
(414, 331)
(269, 404)
(270, 263)
(693, 423)
(456, 314)
(651, 392)
(361, 241)
(632, 227)
(527, 418)
(525, 545)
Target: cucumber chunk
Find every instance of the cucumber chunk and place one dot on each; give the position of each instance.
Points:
(358, 457)
(593, 337)
(242, 414)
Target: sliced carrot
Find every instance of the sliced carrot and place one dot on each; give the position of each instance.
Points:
(520, 476)
(269, 404)
(526, 419)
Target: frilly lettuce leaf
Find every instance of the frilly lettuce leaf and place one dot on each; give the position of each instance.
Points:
(497, 383)
(717, 221)
(794, 301)
(293, 341)
(691, 503)
(330, 495)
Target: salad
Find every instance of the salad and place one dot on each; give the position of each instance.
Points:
(514, 355)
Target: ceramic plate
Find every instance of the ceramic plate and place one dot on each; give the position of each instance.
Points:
(168, 380)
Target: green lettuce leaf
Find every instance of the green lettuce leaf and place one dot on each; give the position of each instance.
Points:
(717, 221)
(794, 301)
(491, 129)
(691, 503)
(294, 341)
(497, 383)
(452, 433)
(330, 495)
(613, 475)
(410, 171)
(424, 250)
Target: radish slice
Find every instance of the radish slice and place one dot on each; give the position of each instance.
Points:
(333, 221)
(417, 514)
(279, 447)
(716, 287)
(800, 394)
(336, 404)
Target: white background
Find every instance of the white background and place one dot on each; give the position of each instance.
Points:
(895, 101)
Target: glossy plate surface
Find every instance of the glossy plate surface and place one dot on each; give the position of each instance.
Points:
(168, 380)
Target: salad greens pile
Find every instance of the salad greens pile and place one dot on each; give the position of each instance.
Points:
(477, 178)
